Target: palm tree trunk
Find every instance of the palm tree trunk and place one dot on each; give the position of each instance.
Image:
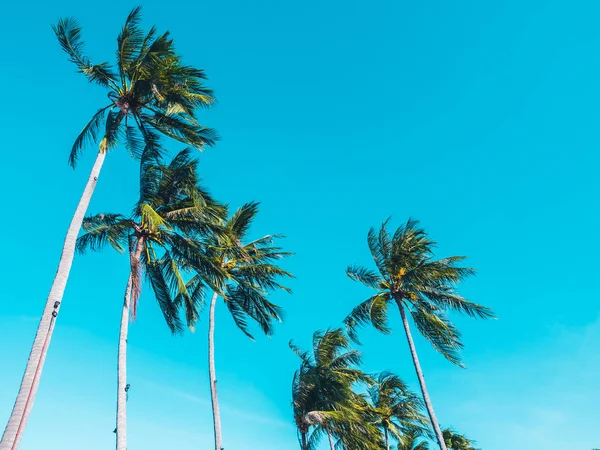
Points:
(31, 378)
(211, 373)
(122, 356)
(387, 442)
(304, 446)
(331, 445)
(122, 371)
(426, 399)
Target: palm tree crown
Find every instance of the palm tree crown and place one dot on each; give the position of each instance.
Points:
(151, 92)
(398, 411)
(409, 276)
(455, 441)
(249, 271)
(322, 394)
(171, 212)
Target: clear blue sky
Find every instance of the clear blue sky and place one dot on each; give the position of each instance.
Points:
(480, 119)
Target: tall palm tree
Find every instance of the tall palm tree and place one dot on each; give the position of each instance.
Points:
(398, 410)
(323, 399)
(409, 276)
(171, 207)
(412, 440)
(455, 441)
(250, 272)
(151, 93)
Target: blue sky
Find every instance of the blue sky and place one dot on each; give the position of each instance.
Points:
(479, 119)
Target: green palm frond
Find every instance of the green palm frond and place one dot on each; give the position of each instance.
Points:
(365, 276)
(129, 42)
(89, 134)
(134, 142)
(194, 302)
(253, 302)
(242, 219)
(303, 355)
(68, 33)
(445, 297)
(112, 130)
(239, 315)
(163, 296)
(372, 311)
(438, 330)
(176, 127)
(103, 229)
(151, 219)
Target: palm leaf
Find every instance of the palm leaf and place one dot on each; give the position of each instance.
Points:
(89, 134)
(68, 33)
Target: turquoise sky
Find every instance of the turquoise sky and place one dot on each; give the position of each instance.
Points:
(479, 118)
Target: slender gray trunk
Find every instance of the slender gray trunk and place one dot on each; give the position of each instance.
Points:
(31, 378)
(122, 371)
(331, 444)
(426, 399)
(211, 373)
(122, 356)
(387, 441)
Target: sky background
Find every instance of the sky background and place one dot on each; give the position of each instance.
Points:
(480, 119)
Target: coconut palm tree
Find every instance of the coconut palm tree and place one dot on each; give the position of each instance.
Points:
(250, 273)
(150, 93)
(398, 410)
(323, 399)
(409, 276)
(412, 440)
(170, 209)
(455, 441)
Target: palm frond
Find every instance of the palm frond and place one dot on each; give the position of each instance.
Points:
(365, 276)
(194, 302)
(372, 311)
(445, 297)
(68, 33)
(89, 134)
(438, 330)
(134, 143)
(163, 296)
(103, 229)
(129, 42)
(112, 130)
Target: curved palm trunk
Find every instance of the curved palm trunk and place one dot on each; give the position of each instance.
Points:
(426, 399)
(35, 363)
(122, 371)
(387, 441)
(211, 373)
(122, 356)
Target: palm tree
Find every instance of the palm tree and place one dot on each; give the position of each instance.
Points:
(409, 277)
(250, 272)
(455, 441)
(323, 398)
(397, 409)
(152, 93)
(412, 440)
(171, 207)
